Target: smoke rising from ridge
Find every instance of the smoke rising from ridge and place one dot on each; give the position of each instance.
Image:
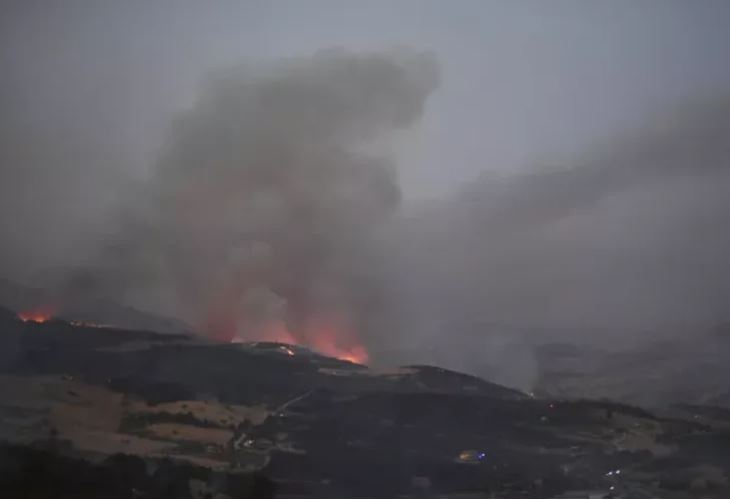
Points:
(627, 247)
(274, 211)
(263, 204)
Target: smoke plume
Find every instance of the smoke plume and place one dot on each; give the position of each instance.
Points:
(264, 203)
(628, 246)
(273, 212)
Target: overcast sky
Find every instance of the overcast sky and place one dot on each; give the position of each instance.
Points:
(90, 86)
(523, 82)
(627, 243)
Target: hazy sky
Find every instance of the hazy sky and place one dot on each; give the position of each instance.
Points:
(523, 82)
(88, 88)
(631, 96)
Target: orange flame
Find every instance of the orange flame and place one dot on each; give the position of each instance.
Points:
(276, 331)
(356, 354)
(330, 336)
(39, 315)
(327, 335)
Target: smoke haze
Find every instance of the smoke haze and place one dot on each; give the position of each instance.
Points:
(261, 210)
(626, 248)
(274, 198)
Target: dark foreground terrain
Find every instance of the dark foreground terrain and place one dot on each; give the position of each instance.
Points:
(87, 411)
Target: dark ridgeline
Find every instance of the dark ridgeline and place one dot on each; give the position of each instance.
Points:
(336, 429)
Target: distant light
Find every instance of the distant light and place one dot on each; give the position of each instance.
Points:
(35, 316)
(286, 350)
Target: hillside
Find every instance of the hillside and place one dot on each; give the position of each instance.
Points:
(136, 413)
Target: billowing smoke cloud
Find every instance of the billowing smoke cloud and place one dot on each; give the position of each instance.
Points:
(627, 247)
(273, 212)
(262, 209)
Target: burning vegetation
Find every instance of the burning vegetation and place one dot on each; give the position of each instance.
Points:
(39, 315)
(333, 340)
(47, 313)
(259, 218)
(326, 338)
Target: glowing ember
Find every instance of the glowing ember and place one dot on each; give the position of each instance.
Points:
(356, 354)
(332, 338)
(36, 315)
(276, 331)
(286, 351)
(328, 338)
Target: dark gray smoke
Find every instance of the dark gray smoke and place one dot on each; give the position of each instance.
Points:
(627, 247)
(260, 217)
(274, 210)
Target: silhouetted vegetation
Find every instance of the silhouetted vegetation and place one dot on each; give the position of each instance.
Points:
(29, 473)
